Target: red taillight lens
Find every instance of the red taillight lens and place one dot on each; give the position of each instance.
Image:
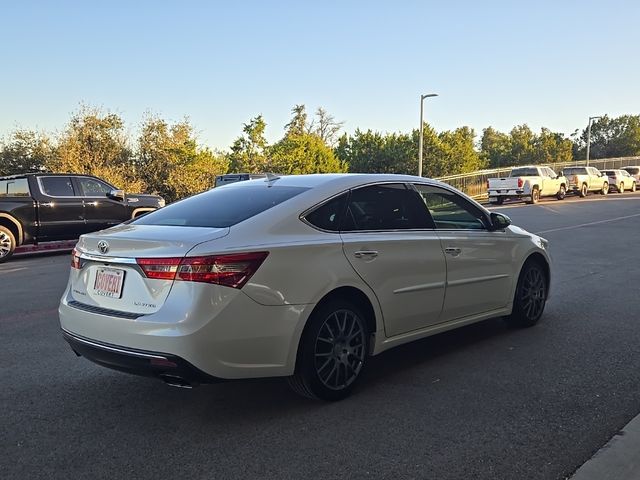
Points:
(233, 270)
(75, 260)
(159, 268)
(487, 184)
(520, 183)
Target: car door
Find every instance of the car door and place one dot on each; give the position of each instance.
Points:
(389, 240)
(552, 184)
(60, 210)
(479, 261)
(100, 211)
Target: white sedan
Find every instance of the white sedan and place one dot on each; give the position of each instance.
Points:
(302, 276)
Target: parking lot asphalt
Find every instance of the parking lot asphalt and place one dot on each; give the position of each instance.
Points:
(483, 402)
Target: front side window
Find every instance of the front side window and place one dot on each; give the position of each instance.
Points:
(385, 207)
(449, 210)
(57, 186)
(92, 187)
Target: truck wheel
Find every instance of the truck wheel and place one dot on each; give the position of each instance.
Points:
(584, 190)
(535, 196)
(500, 200)
(621, 188)
(561, 193)
(7, 244)
(605, 189)
(633, 187)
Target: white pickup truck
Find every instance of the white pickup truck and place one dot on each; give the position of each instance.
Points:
(529, 183)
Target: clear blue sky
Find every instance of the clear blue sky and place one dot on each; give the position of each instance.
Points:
(545, 63)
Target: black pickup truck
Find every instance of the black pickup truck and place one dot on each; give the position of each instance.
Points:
(46, 207)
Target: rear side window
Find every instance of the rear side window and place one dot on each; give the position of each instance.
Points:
(18, 187)
(385, 207)
(329, 215)
(57, 186)
(524, 172)
(221, 207)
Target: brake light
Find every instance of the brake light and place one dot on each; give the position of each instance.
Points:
(487, 184)
(75, 259)
(520, 183)
(232, 270)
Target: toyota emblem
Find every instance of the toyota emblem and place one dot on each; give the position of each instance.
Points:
(103, 246)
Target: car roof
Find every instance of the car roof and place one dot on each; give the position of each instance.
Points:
(334, 180)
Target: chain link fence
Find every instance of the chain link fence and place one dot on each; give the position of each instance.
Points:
(475, 184)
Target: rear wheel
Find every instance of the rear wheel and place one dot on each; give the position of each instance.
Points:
(605, 189)
(535, 195)
(333, 352)
(500, 200)
(584, 190)
(7, 244)
(633, 187)
(621, 188)
(530, 297)
(561, 193)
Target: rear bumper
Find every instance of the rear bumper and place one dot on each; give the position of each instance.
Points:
(138, 362)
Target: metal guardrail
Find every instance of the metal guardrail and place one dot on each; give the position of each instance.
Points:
(474, 184)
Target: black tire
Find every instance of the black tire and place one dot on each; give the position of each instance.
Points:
(499, 200)
(7, 244)
(333, 352)
(605, 189)
(531, 295)
(535, 196)
(561, 193)
(583, 190)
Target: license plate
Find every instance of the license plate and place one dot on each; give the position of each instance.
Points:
(109, 282)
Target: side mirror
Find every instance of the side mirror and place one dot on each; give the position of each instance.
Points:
(116, 194)
(499, 221)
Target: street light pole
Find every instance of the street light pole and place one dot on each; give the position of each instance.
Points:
(422, 97)
(589, 136)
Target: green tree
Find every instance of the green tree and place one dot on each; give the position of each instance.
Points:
(171, 162)
(248, 152)
(522, 145)
(325, 126)
(373, 152)
(495, 148)
(96, 143)
(550, 147)
(611, 137)
(25, 151)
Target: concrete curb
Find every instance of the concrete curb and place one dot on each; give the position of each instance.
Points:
(619, 459)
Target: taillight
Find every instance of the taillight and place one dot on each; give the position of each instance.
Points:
(232, 270)
(487, 184)
(520, 183)
(75, 260)
(159, 268)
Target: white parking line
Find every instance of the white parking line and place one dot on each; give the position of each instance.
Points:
(571, 227)
(13, 270)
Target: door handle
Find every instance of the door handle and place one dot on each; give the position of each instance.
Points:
(366, 254)
(453, 251)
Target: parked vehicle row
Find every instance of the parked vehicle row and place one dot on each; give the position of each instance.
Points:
(530, 183)
(44, 207)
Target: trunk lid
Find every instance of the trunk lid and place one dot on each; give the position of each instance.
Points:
(109, 277)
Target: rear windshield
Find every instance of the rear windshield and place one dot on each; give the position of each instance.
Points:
(221, 207)
(524, 172)
(632, 170)
(575, 171)
(609, 172)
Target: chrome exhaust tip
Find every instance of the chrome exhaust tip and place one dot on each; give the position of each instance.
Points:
(175, 381)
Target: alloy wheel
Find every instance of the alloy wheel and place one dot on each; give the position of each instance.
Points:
(533, 293)
(340, 349)
(5, 244)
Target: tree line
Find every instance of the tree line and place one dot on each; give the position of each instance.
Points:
(168, 159)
